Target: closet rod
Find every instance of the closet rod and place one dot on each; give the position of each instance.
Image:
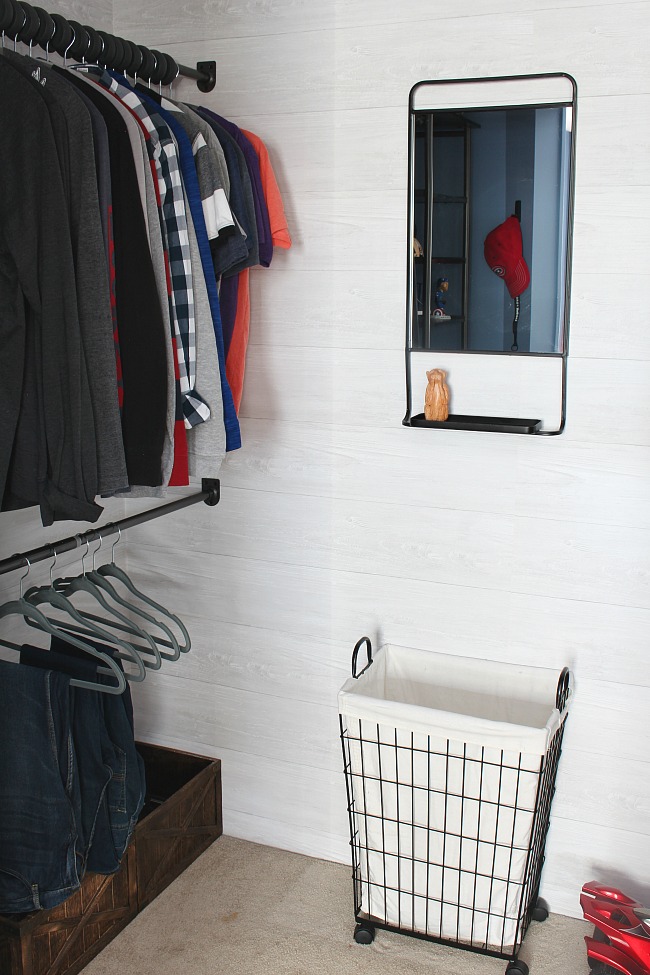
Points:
(209, 493)
(52, 32)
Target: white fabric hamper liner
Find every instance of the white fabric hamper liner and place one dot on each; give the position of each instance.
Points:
(445, 755)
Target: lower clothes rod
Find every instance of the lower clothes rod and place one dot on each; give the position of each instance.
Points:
(209, 494)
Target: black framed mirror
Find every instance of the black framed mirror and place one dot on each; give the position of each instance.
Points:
(491, 169)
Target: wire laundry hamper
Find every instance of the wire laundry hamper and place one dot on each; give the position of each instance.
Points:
(450, 767)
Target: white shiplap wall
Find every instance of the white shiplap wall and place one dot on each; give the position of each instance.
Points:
(337, 521)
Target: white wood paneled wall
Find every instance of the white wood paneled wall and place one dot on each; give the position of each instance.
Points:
(335, 520)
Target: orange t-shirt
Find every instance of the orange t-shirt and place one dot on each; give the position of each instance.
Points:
(236, 361)
(277, 219)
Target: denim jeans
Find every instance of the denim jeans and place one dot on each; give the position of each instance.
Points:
(126, 791)
(39, 798)
(111, 772)
(95, 755)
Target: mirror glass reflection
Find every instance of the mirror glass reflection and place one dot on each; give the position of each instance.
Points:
(490, 195)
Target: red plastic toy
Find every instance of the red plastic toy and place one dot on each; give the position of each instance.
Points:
(621, 938)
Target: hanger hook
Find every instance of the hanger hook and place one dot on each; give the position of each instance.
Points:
(118, 539)
(101, 542)
(20, 28)
(171, 83)
(29, 565)
(83, 557)
(52, 567)
(65, 53)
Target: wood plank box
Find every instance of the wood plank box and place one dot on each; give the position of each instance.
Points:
(180, 819)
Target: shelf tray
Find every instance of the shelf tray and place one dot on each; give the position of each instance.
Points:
(492, 424)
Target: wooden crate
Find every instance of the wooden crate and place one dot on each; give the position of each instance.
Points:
(181, 818)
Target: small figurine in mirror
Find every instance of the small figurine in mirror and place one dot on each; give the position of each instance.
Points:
(439, 313)
(436, 398)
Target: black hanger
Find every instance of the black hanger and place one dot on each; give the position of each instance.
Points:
(81, 43)
(148, 63)
(46, 28)
(63, 34)
(31, 26)
(96, 47)
(6, 15)
(108, 54)
(17, 22)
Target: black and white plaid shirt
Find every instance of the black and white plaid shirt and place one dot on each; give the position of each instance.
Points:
(168, 172)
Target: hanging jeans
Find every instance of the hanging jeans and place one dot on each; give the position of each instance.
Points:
(39, 796)
(126, 791)
(111, 772)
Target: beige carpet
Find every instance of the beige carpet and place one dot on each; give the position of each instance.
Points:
(245, 909)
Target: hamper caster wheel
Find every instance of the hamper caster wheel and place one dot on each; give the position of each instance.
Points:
(539, 912)
(517, 968)
(364, 934)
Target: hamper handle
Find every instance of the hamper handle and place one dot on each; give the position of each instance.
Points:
(355, 654)
(563, 689)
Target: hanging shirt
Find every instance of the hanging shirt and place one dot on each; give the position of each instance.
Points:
(75, 150)
(39, 309)
(242, 198)
(195, 409)
(253, 166)
(227, 240)
(233, 435)
(280, 236)
(216, 210)
(206, 443)
(241, 190)
(139, 317)
(174, 454)
(103, 171)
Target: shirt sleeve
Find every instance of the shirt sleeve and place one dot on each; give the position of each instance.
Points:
(279, 226)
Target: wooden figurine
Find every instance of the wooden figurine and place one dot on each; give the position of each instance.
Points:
(436, 399)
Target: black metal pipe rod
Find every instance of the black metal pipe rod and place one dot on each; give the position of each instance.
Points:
(192, 73)
(204, 73)
(209, 493)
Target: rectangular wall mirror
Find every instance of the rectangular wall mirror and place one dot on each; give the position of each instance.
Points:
(490, 212)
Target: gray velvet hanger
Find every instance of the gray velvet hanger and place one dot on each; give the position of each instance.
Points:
(92, 583)
(131, 626)
(114, 571)
(22, 607)
(38, 595)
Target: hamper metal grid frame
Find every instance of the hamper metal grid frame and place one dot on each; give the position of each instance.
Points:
(447, 837)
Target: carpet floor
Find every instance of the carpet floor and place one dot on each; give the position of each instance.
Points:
(246, 909)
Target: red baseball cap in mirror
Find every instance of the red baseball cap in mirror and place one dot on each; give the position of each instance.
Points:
(504, 253)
